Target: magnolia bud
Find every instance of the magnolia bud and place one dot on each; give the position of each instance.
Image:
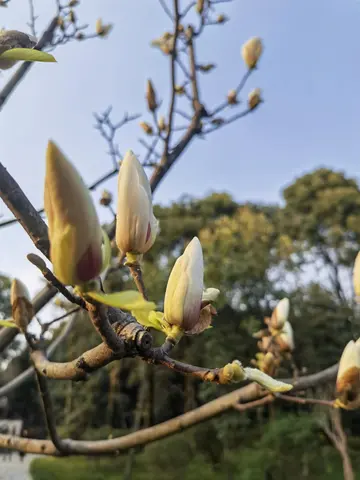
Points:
(280, 314)
(151, 96)
(13, 39)
(179, 89)
(162, 124)
(232, 97)
(348, 377)
(147, 128)
(72, 16)
(101, 29)
(200, 6)
(356, 275)
(61, 23)
(185, 288)
(251, 51)
(136, 226)
(74, 3)
(74, 229)
(254, 98)
(22, 309)
(106, 198)
(206, 68)
(286, 338)
(222, 18)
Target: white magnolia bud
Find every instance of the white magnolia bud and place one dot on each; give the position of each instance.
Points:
(254, 98)
(251, 51)
(184, 289)
(349, 367)
(74, 229)
(286, 337)
(136, 226)
(13, 39)
(280, 314)
(22, 309)
(356, 275)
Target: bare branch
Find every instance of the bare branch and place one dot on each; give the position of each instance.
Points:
(305, 401)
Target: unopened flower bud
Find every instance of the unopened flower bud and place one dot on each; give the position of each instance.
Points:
(179, 89)
(254, 98)
(136, 226)
(106, 198)
(217, 121)
(185, 288)
(162, 124)
(74, 229)
(232, 97)
(286, 338)
(74, 3)
(72, 16)
(356, 275)
(151, 96)
(61, 23)
(200, 6)
(251, 51)
(348, 377)
(147, 128)
(22, 309)
(280, 314)
(222, 18)
(102, 29)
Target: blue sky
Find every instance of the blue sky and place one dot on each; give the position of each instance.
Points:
(309, 74)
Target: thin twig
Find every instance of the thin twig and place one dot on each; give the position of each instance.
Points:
(305, 401)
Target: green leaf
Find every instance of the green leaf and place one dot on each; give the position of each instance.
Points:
(148, 319)
(106, 250)
(127, 300)
(7, 323)
(28, 55)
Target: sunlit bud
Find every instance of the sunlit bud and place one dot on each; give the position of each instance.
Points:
(200, 6)
(22, 309)
(356, 275)
(280, 314)
(206, 68)
(14, 39)
(185, 288)
(268, 365)
(348, 377)
(151, 96)
(254, 98)
(286, 338)
(147, 128)
(106, 198)
(74, 229)
(222, 18)
(74, 3)
(136, 226)
(102, 29)
(179, 89)
(251, 51)
(165, 43)
(232, 97)
(162, 124)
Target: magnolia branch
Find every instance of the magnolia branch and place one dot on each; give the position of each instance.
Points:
(247, 397)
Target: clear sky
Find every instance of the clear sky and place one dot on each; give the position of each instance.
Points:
(309, 74)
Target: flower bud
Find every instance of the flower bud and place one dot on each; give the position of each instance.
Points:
(356, 275)
(185, 288)
(74, 229)
(286, 338)
(251, 51)
(151, 96)
(280, 314)
(147, 128)
(136, 226)
(254, 98)
(232, 97)
(206, 68)
(348, 377)
(162, 124)
(222, 18)
(101, 29)
(22, 309)
(200, 6)
(179, 89)
(106, 198)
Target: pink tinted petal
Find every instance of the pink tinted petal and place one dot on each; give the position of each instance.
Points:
(90, 264)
